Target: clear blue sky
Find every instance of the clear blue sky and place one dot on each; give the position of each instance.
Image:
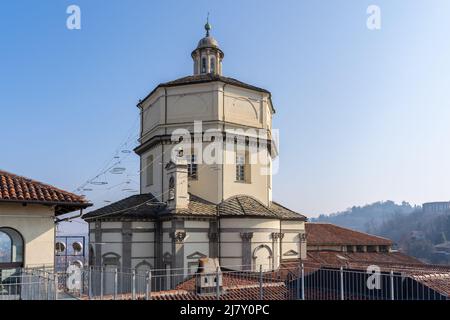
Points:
(363, 115)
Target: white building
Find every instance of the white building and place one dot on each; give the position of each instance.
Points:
(190, 207)
(28, 215)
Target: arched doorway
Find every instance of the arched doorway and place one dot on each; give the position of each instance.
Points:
(11, 248)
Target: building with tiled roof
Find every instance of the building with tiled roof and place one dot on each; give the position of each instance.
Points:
(207, 152)
(28, 209)
(18, 189)
(206, 155)
(326, 236)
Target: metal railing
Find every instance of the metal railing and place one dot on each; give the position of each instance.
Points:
(27, 284)
(292, 282)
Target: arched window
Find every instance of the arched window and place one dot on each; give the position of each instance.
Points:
(171, 188)
(203, 65)
(91, 255)
(11, 248)
(213, 65)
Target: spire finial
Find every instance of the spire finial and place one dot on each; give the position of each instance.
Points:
(207, 25)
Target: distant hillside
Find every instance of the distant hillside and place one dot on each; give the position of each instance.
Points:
(367, 218)
(413, 231)
(418, 233)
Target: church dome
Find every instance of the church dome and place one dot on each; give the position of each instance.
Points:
(207, 56)
(208, 42)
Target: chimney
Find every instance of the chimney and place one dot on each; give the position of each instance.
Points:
(208, 276)
(177, 175)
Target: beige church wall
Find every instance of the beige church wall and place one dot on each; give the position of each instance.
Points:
(197, 242)
(166, 225)
(143, 236)
(256, 187)
(232, 263)
(111, 237)
(142, 225)
(231, 241)
(207, 176)
(191, 103)
(268, 114)
(197, 237)
(157, 166)
(152, 116)
(111, 243)
(36, 225)
(143, 248)
(208, 182)
(265, 239)
(292, 225)
(291, 241)
(167, 241)
(136, 262)
(244, 106)
(249, 223)
(111, 225)
(230, 237)
(231, 249)
(196, 224)
(243, 111)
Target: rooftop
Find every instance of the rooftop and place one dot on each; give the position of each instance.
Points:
(206, 78)
(322, 234)
(15, 188)
(146, 206)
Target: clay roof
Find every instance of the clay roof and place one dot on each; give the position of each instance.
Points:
(145, 206)
(322, 234)
(271, 291)
(15, 188)
(353, 259)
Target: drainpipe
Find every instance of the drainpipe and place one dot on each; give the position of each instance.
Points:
(69, 218)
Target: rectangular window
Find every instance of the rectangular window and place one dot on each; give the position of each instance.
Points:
(149, 170)
(240, 167)
(193, 167)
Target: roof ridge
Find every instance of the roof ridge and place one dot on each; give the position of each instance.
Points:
(349, 229)
(29, 180)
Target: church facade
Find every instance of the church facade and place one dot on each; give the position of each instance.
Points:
(206, 155)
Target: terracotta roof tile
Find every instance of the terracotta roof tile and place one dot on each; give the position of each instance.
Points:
(322, 234)
(14, 188)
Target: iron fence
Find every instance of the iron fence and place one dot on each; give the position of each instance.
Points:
(292, 282)
(27, 284)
